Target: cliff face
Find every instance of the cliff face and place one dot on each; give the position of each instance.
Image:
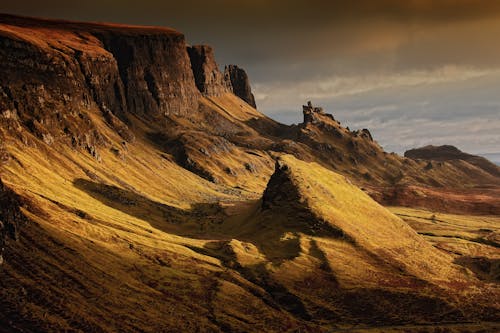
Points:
(209, 80)
(240, 83)
(154, 71)
(75, 68)
(78, 69)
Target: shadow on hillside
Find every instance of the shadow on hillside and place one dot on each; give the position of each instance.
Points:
(279, 295)
(209, 220)
(161, 216)
(486, 269)
(202, 221)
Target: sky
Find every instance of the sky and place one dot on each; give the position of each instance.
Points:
(414, 72)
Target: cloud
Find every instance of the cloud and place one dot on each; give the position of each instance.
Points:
(458, 106)
(277, 94)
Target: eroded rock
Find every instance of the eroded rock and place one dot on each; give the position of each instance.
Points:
(209, 80)
(240, 83)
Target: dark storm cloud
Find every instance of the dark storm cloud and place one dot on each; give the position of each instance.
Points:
(256, 9)
(346, 35)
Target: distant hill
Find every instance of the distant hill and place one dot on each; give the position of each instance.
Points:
(451, 153)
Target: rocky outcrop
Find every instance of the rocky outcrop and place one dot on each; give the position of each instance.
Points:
(240, 83)
(209, 80)
(154, 70)
(284, 194)
(364, 133)
(309, 111)
(54, 73)
(316, 115)
(10, 217)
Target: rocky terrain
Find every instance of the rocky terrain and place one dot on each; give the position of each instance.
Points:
(143, 191)
(11, 217)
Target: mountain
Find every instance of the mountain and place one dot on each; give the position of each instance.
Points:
(450, 153)
(143, 191)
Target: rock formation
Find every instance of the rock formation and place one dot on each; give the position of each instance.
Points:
(240, 83)
(10, 217)
(310, 113)
(76, 68)
(209, 80)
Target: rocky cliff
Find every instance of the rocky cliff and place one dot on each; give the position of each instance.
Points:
(209, 80)
(240, 83)
(77, 68)
(212, 82)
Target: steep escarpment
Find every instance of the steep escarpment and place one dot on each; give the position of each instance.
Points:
(209, 80)
(154, 71)
(240, 83)
(76, 69)
(212, 82)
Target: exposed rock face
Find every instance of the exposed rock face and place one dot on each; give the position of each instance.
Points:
(309, 111)
(283, 195)
(207, 75)
(155, 72)
(364, 133)
(10, 217)
(240, 83)
(280, 190)
(75, 68)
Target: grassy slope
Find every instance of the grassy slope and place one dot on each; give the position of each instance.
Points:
(136, 238)
(377, 269)
(334, 199)
(107, 237)
(473, 241)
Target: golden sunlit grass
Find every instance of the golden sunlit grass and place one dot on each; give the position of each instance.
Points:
(126, 218)
(233, 107)
(137, 229)
(332, 198)
(457, 234)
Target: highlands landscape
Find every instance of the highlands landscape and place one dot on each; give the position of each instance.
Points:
(143, 190)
